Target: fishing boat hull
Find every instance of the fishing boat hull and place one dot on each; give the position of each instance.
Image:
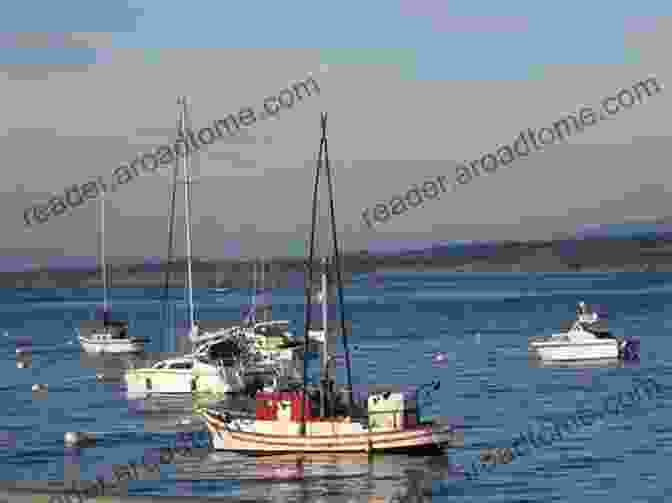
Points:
(263, 438)
(116, 346)
(175, 381)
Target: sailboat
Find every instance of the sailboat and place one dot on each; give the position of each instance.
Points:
(272, 339)
(291, 421)
(215, 366)
(107, 335)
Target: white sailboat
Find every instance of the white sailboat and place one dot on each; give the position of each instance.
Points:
(107, 335)
(272, 339)
(216, 364)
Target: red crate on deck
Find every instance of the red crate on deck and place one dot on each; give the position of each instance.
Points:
(268, 404)
(296, 407)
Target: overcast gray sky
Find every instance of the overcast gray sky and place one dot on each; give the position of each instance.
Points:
(391, 124)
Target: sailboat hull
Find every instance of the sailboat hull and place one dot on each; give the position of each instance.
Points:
(115, 346)
(327, 437)
(170, 381)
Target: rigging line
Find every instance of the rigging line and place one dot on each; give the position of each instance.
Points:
(339, 278)
(309, 284)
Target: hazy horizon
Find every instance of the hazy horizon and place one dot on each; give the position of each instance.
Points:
(413, 90)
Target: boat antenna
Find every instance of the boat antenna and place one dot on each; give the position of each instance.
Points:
(182, 100)
(171, 241)
(337, 264)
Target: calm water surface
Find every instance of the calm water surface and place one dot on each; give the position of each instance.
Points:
(399, 320)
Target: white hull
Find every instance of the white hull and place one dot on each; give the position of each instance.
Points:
(116, 346)
(576, 346)
(199, 380)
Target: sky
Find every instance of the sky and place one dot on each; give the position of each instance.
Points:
(412, 89)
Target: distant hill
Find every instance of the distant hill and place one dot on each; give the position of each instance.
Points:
(647, 251)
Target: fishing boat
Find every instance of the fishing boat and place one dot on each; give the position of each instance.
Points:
(313, 419)
(587, 339)
(217, 361)
(107, 335)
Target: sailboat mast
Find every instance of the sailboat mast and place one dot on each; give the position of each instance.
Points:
(187, 208)
(102, 256)
(262, 265)
(253, 292)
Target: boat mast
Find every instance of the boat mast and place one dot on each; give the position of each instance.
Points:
(253, 305)
(102, 257)
(323, 153)
(337, 264)
(325, 379)
(261, 290)
(187, 207)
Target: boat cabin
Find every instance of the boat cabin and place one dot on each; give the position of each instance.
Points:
(385, 411)
(98, 330)
(228, 351)
(392, 411)
(184, 364)
(271, 335)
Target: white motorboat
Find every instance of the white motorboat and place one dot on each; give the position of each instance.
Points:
(107, 335)
(586, 339)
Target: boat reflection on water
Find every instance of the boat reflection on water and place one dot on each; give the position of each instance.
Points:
(179, 412)
(345, 477)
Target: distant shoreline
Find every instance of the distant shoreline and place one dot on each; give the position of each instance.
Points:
(586, 255)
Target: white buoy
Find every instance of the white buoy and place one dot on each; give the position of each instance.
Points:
(40, 387)
(76, 438)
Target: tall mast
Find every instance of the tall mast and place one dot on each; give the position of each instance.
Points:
(325, 356)
(324, 374)
(323, 153)
(102, 256)
(187, 206)
(253, 312)
(337, 264)
(262, 265)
